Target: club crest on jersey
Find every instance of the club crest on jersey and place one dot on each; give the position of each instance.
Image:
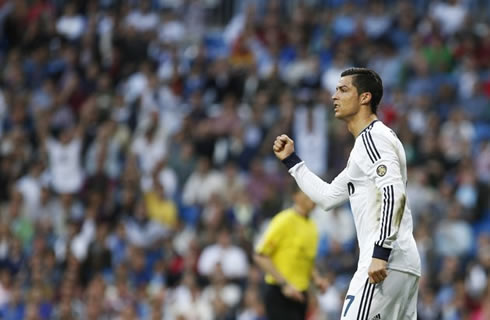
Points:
(381, 170)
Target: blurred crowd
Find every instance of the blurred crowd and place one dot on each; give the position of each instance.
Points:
(136, 170)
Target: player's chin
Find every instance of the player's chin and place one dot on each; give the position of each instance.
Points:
(338, 114)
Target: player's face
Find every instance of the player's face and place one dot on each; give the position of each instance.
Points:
(346, 99)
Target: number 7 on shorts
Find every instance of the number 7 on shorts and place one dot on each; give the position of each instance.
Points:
(351, 299)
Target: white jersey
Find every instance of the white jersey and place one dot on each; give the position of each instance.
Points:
(374, 182)
(65, 167)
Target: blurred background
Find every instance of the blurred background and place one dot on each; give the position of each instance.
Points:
(136, 164)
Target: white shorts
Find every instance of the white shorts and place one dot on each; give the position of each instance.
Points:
(393, 299)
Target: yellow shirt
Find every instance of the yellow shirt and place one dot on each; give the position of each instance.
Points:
(291, 242)
(162, 211)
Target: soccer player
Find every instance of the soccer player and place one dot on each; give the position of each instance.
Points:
(385, 285)
(286, 253)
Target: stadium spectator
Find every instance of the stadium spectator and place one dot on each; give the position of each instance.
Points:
(103, 101)
(224, 255)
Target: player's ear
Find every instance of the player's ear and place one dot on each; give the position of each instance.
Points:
(366, 97)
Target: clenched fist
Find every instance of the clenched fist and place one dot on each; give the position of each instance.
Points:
(377, 270)
(283, 146)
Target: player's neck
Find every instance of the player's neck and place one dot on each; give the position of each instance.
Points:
(359, 122)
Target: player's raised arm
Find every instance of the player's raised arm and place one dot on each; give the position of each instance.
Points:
(326, 195)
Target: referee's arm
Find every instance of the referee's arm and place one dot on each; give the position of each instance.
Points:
(320, 281)
(269, 243)
(265, 263)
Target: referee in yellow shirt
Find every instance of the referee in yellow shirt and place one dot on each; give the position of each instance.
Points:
(286, 253)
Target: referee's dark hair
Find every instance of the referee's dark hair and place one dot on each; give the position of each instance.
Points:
(367, 80)
(295, 189)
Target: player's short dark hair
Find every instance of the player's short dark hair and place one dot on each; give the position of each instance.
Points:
(367, 80)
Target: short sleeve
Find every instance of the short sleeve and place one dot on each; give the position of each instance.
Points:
(273, 236)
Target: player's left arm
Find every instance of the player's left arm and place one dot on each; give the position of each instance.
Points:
(383, 167)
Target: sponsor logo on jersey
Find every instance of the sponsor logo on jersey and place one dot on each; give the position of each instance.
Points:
(376, 317)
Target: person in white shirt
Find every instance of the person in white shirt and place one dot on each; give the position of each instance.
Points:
(65, 167)
(202, 184)
(230, 258)
(385, 285)
(71, 24)
(222, 289)
(143, 19)
(310, 129)
(150, 146)
(30, 187)
(450, 15)
(187, 301)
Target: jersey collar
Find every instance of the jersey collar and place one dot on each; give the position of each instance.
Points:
(369, 127)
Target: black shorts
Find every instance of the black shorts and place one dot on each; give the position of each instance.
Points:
(280, 307)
